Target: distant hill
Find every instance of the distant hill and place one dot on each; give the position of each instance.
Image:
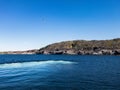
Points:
(107, 47)
(21, 52)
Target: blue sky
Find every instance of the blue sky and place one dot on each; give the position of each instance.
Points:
(32, 24)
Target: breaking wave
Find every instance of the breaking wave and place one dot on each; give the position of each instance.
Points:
(33, 63)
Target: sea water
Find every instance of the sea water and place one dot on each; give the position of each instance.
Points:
(59, 72)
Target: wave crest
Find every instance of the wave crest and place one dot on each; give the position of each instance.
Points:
(35, 63)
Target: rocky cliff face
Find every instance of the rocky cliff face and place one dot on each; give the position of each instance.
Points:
(82, 47)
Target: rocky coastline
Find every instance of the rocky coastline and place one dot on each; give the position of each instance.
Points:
(81, 52)
(83, 47)
(77, 47)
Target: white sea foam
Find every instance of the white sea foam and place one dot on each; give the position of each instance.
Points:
(35, 63)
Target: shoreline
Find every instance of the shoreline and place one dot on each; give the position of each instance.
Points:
(77, 47)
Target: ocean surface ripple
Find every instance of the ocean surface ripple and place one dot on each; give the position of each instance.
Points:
(59, 72)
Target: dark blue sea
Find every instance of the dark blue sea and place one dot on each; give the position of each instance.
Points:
(59, 72)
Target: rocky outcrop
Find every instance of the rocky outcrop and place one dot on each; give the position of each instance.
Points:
(71, 52)
(82, 47)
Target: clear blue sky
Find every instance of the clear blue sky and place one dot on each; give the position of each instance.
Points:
(32, 24)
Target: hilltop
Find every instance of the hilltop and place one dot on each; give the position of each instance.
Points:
(83, 47)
